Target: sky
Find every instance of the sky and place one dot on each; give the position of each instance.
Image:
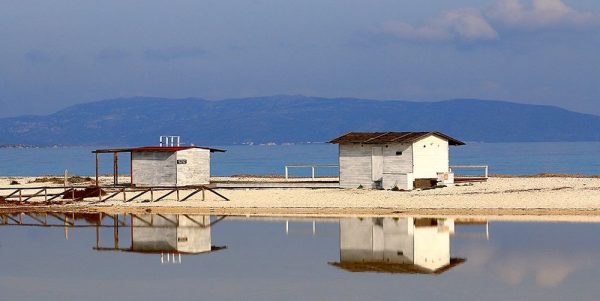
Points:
(54, 54)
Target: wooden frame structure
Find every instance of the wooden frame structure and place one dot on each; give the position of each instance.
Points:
(129, 194)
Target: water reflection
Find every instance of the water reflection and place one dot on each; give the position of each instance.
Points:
(293, 258)
(169, 235)
(396, 245)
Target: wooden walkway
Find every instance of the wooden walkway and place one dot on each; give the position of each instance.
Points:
(100, 194)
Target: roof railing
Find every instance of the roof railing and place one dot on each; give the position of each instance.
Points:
(170, 140)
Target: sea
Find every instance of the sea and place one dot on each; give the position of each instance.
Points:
(502, 158)
(51, 256)
(146, 256)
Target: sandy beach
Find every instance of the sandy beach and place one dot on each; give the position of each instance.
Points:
(498, 196)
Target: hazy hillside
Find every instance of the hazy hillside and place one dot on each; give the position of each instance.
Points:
(136, 121)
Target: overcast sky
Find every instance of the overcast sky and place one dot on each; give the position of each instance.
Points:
(57, 53)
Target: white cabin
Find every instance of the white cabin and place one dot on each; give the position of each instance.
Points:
(164, 165)
(389, 160)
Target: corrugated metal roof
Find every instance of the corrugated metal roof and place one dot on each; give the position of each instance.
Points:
(389, 137)
(154, 149)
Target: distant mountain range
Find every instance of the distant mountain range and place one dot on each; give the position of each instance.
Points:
(294, 119)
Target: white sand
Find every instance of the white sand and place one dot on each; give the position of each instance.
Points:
(497, 193)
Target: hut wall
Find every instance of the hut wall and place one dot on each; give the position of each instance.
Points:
(397, 158)
(430, 156)
(193, 167)
(431, 247)
(161, 236)
(355, 166)
(191, 237)
(384, 240)
(154, 168)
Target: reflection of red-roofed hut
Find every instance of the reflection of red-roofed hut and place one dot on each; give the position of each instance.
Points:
(164, 165)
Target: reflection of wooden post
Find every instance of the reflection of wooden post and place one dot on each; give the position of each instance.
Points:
(98, 233)
(116, 231)
(66, 227)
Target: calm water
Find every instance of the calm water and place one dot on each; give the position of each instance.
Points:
(504, 158)
(192, 257)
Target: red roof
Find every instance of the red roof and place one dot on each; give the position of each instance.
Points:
(154, 149)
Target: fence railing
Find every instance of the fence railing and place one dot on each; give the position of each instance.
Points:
(313, 168)
(484, 168)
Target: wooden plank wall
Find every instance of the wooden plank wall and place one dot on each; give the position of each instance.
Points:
(154, 168)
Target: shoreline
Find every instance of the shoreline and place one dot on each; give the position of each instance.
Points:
(514, 215)
(556, 195)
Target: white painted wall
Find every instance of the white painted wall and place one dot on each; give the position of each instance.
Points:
(197, 169)
(154, 168)
(355, 166)
(432, 247)
(430, 156)
(356, 163)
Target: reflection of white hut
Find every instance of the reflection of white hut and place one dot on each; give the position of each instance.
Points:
(170, 233)
(396, 245)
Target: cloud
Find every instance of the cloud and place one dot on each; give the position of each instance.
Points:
(471, 24)
(537, 14)
(174, 53)
(463, 24)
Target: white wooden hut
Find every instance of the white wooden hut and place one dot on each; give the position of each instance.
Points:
(165, 165)
(393, 159)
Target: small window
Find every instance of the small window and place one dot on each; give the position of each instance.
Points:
(182, 161)
(398, 153)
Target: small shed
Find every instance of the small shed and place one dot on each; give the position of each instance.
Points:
(387, 160)
(165, 165)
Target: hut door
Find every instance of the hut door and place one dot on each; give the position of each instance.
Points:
(377, 163)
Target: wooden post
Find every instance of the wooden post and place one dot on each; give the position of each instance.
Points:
(131, 169)
(177, 189)
(115, 169)
(97, 183)
(151, 195)
(66, 177)
(203, 194)
(45, 194)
